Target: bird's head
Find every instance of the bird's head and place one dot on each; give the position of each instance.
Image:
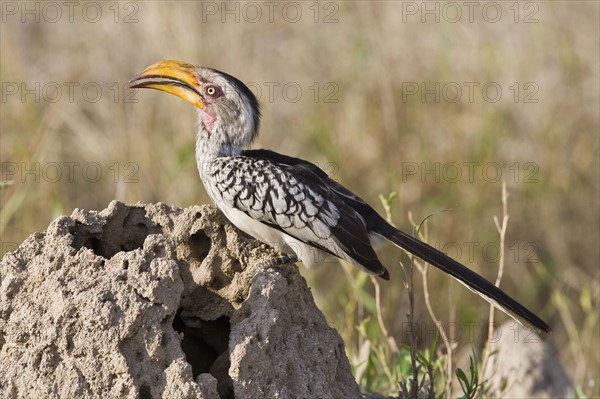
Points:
(229, 115)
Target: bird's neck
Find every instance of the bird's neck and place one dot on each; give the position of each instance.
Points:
(224, 134)
(212, 145)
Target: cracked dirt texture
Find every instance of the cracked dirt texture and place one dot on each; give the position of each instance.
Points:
(153, 301)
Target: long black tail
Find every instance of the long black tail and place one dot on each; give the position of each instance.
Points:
(469, 278)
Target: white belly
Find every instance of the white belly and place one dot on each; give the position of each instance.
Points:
(310, 256)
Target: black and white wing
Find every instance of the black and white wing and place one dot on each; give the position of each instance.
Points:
(292, 200)
(376, 224)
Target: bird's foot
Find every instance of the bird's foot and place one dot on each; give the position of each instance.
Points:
(281, 260)
(245, 255)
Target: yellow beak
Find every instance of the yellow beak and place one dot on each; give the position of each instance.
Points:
(175, 77)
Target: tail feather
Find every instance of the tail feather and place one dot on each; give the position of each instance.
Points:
(469, 278)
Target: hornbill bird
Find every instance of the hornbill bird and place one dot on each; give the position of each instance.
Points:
(287, 202)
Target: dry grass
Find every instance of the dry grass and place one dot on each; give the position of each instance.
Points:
(370, 138)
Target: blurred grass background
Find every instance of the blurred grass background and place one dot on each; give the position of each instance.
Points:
(355, 64)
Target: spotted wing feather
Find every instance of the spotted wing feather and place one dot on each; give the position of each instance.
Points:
(376, 224)
(295, 202)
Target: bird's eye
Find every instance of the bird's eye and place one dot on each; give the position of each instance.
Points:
(213, 91)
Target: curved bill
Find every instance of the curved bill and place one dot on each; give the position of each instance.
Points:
(175, 77)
